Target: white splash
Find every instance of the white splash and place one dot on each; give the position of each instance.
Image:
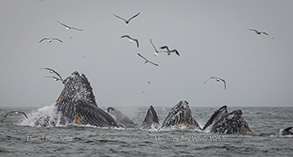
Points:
(45, 116)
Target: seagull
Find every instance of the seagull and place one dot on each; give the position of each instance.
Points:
(217, 79)
(16, 112)
(156, 51)
(146, 60)
(258, 32)
(59, 78)
(68, 27)
(169, 51)
(131, 39)
(51, 39)
(126, 21)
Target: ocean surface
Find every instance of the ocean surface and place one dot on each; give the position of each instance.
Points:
(19, 137)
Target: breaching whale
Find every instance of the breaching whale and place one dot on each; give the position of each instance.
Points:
(121, 119)
(77, 104)
(151, 119)
(180, 115)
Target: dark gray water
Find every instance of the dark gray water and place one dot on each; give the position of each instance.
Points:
(20, 138)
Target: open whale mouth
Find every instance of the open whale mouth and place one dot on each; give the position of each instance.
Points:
(232, 123)
(77, 103)
(181, 115)
(216, 116)
(151, 119)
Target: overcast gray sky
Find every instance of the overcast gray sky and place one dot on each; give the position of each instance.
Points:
(211, 36)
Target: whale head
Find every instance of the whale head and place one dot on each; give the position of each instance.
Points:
(232, 123)
(77, 103)
(151, 119)
(216, 116)
(180, 115)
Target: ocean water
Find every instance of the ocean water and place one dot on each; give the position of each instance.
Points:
(19, 137)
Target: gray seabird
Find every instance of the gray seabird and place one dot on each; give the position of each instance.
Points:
(217, 79)
(59, 78)
(169, 51)
(68, 27)
(131, 39)
(146, 60)
(126, 21)
(16, 112)
(51, 39)
(258, 32)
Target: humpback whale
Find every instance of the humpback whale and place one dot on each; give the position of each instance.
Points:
(180, 115)
(151, 119)
(121, 119)
(216, 116)
(231, 123)
(77, 104)
(287, 131)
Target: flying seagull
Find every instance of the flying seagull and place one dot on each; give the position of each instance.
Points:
(16, 112)
(59, 78)
(258, 32)
(156, 51)
(51, 39)
(146, 60)
(169, 51)
(68, 27)
(131, 39)
(217, 79)
(126, 21)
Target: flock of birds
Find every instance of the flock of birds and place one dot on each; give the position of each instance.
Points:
(164, 49)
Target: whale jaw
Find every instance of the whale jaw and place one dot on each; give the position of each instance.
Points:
(151, 119)
(77, 104)
(232, 123)
(181, 115)
(216, 116)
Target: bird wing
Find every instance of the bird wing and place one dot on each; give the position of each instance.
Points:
(55, 78)
(154, 46)
(134, 16)
(224, 83)
(265, 33)
(210, 78)
(164, 47)
(176, 52)
(137, 44)
(142, 57)
(54, 72)
(64, 24)
(253, 30)
(155, 64)
(206, 80)
(24, 114)
(58, 40)
(43, 39)
(76, 29)
(126, 36)
(119, 17)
